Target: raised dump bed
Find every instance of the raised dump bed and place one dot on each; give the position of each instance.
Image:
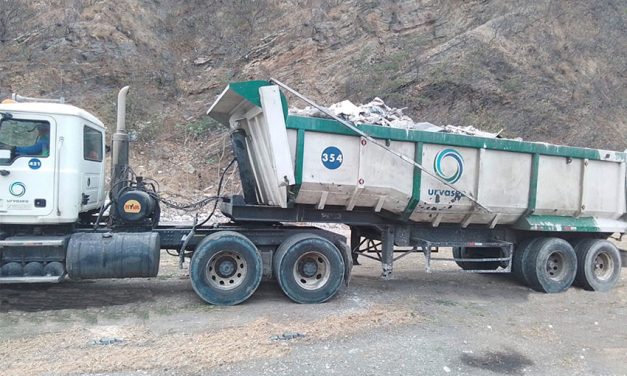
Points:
(322, 162)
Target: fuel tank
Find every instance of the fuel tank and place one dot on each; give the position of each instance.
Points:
(113, 255)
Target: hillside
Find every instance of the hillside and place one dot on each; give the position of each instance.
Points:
(549, 71)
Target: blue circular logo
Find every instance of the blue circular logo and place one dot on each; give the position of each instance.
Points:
(332, 157)
(34, 164)
(17, 189)
(449, 154)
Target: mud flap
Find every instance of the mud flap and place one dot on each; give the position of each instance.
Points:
(348, 260)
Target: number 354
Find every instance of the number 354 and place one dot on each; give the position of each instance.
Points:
(332, 157)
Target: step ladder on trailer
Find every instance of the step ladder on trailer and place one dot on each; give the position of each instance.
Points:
(427, 247)
(383, 248)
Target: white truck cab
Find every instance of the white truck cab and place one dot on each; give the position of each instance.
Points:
(51, 163)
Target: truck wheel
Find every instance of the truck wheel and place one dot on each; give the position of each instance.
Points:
(309, 268)
(226, 268)
(477, 253)
(521, 251)
(550, 266)
(598, 265)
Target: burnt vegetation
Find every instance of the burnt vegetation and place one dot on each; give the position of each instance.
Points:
(545, 71)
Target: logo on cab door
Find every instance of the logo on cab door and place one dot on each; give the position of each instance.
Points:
(17, 189)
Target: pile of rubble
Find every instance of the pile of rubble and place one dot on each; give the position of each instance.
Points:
(377, 112)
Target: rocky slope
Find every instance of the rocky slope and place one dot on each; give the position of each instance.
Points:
(549, 70)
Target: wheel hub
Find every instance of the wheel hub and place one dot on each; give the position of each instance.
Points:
(603, 266)
(226, 270)
(226, 266)
(555, 265)
(312, 270)
(308, 268)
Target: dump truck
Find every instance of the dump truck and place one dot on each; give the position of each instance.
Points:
(544, 212)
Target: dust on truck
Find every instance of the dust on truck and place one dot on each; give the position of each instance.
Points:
(542, 211)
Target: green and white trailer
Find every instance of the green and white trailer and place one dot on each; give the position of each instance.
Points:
(540, 210)
(543, 211)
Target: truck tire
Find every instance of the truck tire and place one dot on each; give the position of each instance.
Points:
(308, 268)
(477, 253)
(598, 265)
(226, 268)
(550, 266)
(521, 251)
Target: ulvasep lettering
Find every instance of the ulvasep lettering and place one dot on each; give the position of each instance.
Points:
(456, 195)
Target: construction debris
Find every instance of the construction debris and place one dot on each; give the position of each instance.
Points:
(469, 130)
(107, 341)
(376, 112)
(287, 336)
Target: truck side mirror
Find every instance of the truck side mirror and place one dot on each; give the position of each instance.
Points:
(107, 148)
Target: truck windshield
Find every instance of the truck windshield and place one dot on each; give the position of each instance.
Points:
(23, 137)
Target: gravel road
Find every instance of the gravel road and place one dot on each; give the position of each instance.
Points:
(416, 324)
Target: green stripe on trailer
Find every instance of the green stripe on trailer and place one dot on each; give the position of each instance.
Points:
(395, 134)
(236, 94)
(300, 153)
(415, 194)
(533, 183)
(249, 90)
(555, 223)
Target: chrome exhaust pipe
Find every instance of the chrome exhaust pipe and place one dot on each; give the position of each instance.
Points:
(121, 123)
(119, 151)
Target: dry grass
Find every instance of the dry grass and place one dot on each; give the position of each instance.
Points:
(73, 351)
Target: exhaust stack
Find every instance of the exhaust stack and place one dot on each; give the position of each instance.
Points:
(119, 149)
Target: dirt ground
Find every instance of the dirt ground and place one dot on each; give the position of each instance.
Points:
(416, 324)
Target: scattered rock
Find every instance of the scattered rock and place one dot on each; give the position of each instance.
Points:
(187, 167)
(287, 336)
(202, 60)
(107, 341)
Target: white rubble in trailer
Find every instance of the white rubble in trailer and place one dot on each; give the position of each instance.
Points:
(376, 112)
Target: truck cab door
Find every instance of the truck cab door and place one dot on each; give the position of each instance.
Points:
(92, 168)
(27, 165)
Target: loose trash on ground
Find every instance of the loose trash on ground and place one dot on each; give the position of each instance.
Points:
(107, 341)
(287, 336)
